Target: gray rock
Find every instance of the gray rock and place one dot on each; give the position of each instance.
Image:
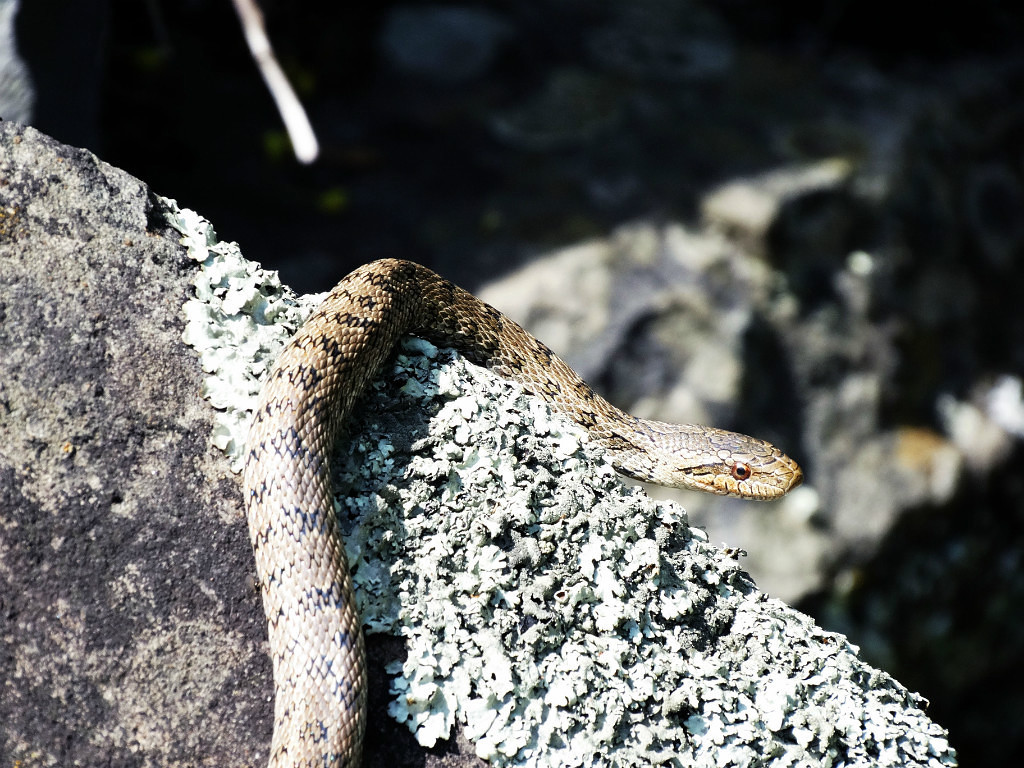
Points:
(130, 631)
(17, 96)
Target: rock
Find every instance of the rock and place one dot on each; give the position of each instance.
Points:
(749, 209)
(131, 631)
(17, 96)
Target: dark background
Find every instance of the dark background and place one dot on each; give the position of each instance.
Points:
(409, 165)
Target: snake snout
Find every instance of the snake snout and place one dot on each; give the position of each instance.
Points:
(796, 477)
(778, 478)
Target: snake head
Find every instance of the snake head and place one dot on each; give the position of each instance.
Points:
(764, 476)
(707, 459)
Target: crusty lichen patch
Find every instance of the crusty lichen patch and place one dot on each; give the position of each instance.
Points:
(562, 617)
(568, 620)
(238, 321)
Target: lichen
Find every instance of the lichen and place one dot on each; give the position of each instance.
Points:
(567, 619)
(563, 617)
(239, 319)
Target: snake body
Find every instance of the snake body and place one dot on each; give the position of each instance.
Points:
(315, 633)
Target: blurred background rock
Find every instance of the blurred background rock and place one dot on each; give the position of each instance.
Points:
(803, 221)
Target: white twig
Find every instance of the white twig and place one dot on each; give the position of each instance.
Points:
(294, 116)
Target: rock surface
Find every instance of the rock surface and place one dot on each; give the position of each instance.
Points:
(131, 633)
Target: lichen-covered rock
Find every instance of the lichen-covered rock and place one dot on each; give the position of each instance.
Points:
(561, 617)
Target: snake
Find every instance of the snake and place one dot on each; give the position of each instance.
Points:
(314, 629)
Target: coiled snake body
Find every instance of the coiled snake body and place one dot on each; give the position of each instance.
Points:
(315, 633)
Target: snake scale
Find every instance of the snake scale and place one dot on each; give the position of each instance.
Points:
(315, 633)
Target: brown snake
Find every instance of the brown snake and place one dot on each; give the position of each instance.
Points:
(316, 637)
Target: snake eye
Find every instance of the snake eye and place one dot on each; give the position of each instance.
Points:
(741, 471)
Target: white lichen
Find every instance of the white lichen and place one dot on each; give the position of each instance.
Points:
(238, 321)
(563, 618)
(618, 637)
